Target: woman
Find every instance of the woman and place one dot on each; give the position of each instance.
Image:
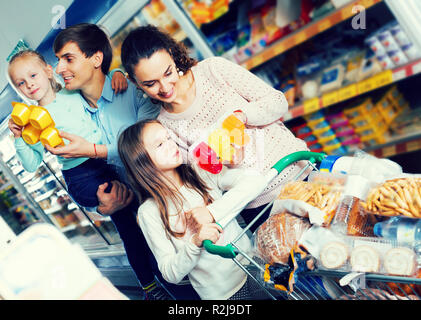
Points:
(195, 95)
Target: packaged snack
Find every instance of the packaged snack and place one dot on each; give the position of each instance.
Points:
(332, 78)
(411, 51)
(326, 136)
(387, 40)
(386, 62)
(399, 35)
(337, 120)
(394, 197)
(319, 127)
(316, 199)
(398, 57)
(375, 45)
(358, 254)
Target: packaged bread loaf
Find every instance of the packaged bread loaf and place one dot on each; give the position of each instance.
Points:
(394, 197)
(275, 238)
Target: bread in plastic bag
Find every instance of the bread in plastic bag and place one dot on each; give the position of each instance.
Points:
(275, 238)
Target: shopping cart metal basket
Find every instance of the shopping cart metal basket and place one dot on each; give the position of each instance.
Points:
(317, 284)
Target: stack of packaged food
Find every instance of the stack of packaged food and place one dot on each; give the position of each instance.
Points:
(356, 214)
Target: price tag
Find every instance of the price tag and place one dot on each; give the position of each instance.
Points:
(413, 145)
(366, 85)
(383, 78)
(257, 60)
(325, 24)
(389, 151)
(330, 98)
(300, 37)
(416, 68)
(268, 54)
(279, 48)
(347, 92)
(311, 105)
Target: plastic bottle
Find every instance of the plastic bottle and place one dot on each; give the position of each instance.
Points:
(404, 230)
(348, 218)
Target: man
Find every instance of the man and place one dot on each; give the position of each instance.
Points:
(84, 56)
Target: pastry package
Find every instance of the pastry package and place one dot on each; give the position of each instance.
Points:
(316, 199)
(398, 196)
(359, 254)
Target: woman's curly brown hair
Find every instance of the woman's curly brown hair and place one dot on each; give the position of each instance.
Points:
(144, 41)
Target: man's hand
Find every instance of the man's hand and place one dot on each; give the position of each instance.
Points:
(197, 217)
(119, 82)
(78, 147)
(119, 197)
(16, 130)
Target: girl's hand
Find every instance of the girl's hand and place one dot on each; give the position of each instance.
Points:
(197, 217)
(119, 82)
(209, 231)
(16, 130)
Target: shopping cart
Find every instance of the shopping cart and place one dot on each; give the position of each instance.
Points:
(316, 284)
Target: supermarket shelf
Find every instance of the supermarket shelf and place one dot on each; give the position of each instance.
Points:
(308, 31)
(397, 145)
(45, 195)
(382, 79)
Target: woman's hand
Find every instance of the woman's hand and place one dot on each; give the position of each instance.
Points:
(209, 231)
(78, 147)
(16, 130)
(119, 82)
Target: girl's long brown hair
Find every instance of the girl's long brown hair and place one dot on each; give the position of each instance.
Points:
(148, 181)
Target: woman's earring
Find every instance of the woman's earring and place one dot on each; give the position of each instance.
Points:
(180, 73)
(145, 95)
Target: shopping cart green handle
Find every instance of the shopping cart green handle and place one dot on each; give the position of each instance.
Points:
(228, 251)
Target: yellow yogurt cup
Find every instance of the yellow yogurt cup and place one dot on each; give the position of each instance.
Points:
(51, 137)
(40, 118)
(30, 134)
(20, 113)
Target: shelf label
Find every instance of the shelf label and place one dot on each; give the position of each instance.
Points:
(330, 98)
(347, 92)
(257, 60)
(383, 78)
(279, 48)
(300, 37)
(389, 151)
(366, 85)
(325, 24)
(311, 105)
(413, 145)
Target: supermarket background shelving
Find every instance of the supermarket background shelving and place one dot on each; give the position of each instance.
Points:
(246, 32)
(276, 58)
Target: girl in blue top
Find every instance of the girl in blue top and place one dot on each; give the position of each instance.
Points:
(34, 78)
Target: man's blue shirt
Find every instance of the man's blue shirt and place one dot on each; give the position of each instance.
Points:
(116, 112)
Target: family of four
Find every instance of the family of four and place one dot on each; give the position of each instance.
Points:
(126, 151)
